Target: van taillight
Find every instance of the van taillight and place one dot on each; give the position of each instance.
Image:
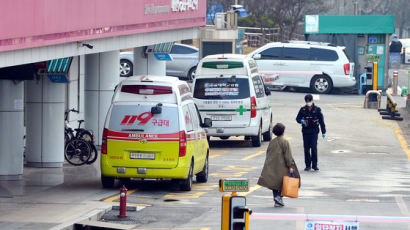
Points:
(182, 143)
(347, 68)
(253, 107)
(104, 142)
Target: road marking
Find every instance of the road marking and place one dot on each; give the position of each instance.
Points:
(140, 196)
(217, 153)
(252, 189)
(398, 132)
(111, 199)
(402, 206)
(292, 216)
(205, 187)
(183, 195)
(186, 228)
(252, 156)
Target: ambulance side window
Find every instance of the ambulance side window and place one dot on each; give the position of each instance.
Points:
(259, 87)
(194, 115)
(187, 118)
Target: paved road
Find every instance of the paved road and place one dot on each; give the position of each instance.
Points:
(364, 173)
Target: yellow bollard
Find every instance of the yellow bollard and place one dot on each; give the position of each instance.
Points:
(375, 75)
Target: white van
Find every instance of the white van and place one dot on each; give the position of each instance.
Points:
(153, 130)
(228, 89)
(318, 66)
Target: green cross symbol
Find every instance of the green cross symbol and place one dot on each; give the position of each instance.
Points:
(240, 110)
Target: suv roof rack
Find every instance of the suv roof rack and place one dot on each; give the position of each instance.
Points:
(310, 43)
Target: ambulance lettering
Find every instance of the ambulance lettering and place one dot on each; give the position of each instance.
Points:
(143, 119)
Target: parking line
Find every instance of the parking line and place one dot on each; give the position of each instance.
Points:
(252, 189)
(111, 199)
(399, 136)
(252, 156)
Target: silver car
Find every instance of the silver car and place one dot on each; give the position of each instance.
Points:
(183, 65)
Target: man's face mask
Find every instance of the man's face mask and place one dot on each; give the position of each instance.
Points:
(309, 103)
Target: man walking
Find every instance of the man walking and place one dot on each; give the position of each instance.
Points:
(310, 116)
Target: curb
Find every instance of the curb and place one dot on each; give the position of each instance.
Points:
(93, 215)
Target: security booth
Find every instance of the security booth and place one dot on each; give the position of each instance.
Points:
(366, 38)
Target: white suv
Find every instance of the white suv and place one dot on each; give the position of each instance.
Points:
(318, 66)
(228, 89)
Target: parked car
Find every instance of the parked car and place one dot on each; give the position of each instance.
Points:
(228, 90)
(312, 65)
(183, 65)
(153, 130)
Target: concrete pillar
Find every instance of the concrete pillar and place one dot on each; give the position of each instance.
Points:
(147, 63)
(156, 67)
(101, 76)
(45, 123)
(140, 60)
(11, 129)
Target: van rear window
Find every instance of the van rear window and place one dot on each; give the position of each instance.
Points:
(138, 118)
(222, 88)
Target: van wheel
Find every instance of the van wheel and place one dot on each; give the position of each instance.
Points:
(321, 84)
(186, 185)
(107, 182)
(256, 140)
(267, 136)
(224, 137)
(202, 176)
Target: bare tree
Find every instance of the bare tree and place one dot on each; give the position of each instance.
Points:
(289, 13)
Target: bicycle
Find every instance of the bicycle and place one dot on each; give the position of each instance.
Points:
(71, 136)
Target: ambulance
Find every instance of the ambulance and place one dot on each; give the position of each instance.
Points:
(153, 130)
(229, 90)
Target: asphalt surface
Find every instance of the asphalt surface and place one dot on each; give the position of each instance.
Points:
(364, 175)
(364, 172)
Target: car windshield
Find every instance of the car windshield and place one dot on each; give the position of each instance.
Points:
(222, 88)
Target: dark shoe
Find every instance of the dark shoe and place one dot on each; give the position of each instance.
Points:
(279, 201)
(316, 168)
(307, 169)
(277, 205)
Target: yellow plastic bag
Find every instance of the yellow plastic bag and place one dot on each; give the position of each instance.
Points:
(290, 187)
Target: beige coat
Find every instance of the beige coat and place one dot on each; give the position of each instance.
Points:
(277, 163)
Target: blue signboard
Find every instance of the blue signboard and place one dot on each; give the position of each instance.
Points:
(163, 57)
(58, 78)
(372, 40)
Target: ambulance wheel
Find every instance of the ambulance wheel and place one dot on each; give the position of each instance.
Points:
(186, 185)
(256, 140)
(107, 182)
(267, 136)
(202, 176)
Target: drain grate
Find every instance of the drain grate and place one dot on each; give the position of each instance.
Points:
(170, 200)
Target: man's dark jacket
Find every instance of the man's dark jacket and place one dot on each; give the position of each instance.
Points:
(313, 118)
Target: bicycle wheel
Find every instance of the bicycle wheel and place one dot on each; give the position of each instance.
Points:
(94, 154)
(85, 135)
(77, 152)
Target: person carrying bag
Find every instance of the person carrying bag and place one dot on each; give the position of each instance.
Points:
(278, 163)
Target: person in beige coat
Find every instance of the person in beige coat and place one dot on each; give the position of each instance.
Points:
(278, 163)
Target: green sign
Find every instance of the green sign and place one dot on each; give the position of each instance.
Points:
(234, 185)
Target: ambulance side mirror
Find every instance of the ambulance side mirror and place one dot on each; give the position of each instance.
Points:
(207, 123)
